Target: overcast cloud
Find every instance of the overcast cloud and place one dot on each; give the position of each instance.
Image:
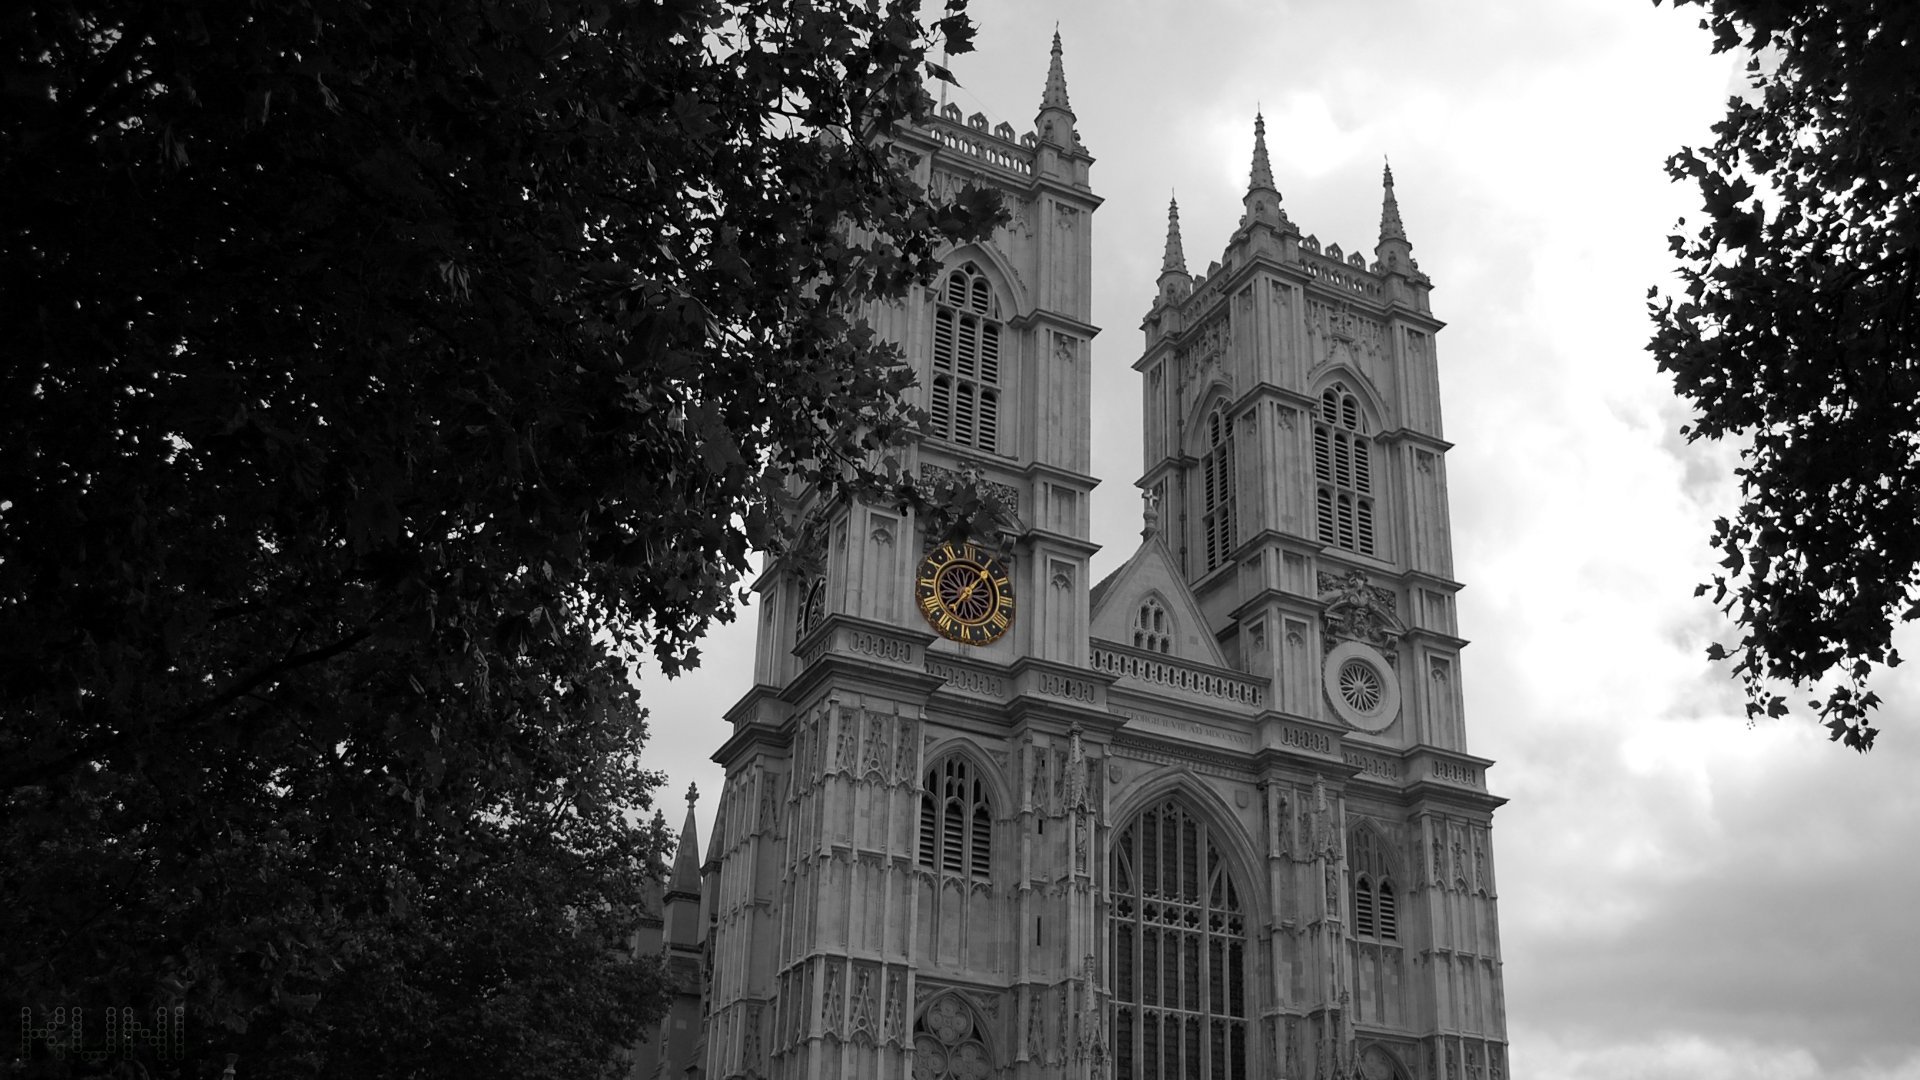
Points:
(1682, 895)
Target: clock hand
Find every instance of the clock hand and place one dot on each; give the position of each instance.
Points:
(966, 591)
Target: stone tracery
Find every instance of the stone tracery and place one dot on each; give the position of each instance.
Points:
(947, 1043)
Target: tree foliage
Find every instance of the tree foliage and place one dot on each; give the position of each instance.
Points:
(1798, 329)
(381, 381)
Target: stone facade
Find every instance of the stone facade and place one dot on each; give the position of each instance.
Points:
(1213, 817)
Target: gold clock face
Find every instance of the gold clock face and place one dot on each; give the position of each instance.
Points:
(965, 594)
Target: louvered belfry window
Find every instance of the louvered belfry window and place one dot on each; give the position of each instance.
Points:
(1376, 912)
(1343, 472)
(1216, 490)
(956, 821)
(1179, 938)
(965, 404)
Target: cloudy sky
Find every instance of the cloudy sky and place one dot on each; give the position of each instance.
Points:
(1681, 895)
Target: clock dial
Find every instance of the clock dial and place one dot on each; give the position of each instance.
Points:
(965, 594)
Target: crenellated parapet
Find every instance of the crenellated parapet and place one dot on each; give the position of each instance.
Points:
(1344, 273)
(996, 146)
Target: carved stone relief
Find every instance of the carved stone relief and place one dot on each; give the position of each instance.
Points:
(1359, 611)
(903, 765)
(892, 1030)
(946, 186)
(831, 1005)
(1204, 357)
(844, 747)
(863, 1018)
(875, 762)
(752, 1056)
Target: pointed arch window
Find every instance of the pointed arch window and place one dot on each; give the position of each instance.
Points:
(812, 607)
(967, 334)
(1179, 948)
(1343, 472)
(1152, 627)
(1216, 491)
(956, 821)
(1376, 905)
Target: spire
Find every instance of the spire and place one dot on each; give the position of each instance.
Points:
(1262, 200)
(1390, 224)
(1174, 282)
(1055, 96)
(1175, 260)
(1262, 178)
(1393, 254)
(1055, 122)
(686, 857)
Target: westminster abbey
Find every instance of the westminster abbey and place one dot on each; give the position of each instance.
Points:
(1210, 818)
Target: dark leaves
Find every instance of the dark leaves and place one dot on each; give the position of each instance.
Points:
(381, 380)
(1798, 332)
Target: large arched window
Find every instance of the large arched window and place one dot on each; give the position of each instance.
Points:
(1216, 494)
(1376, 905)
(1343, 471)
(965, 405)
(1179, 938)
(956, 821)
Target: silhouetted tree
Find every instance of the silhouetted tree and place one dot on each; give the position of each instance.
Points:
(380, 381)
(1797, 329)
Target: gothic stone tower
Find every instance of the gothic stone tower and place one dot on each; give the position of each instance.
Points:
(902, 871)
(1212, 818)
(1296, 585)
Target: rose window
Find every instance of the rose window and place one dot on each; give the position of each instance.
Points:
(1360, 686)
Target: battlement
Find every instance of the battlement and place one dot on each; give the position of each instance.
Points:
(1340, 270)
(1347, 273)
(970, 135)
